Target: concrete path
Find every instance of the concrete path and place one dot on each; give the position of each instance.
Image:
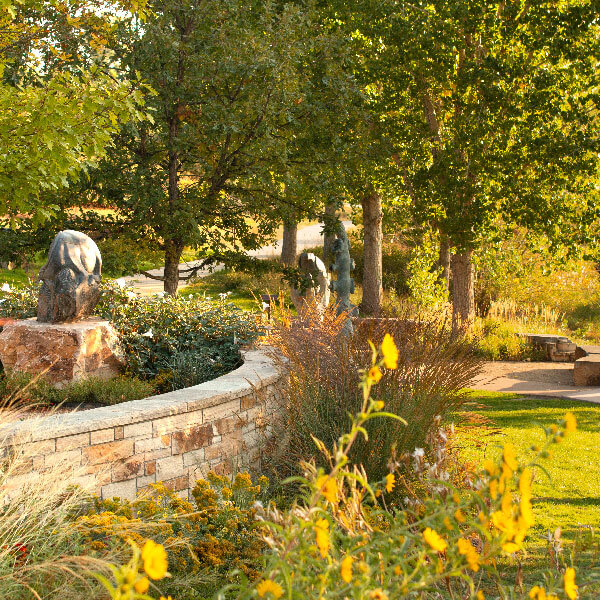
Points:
(308, 237)
(535, 378)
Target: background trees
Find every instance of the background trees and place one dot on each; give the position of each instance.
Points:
(492, 111)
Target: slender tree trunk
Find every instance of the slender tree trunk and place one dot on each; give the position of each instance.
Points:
(289, 243)
(173, 251)
(328, 238)
(444, 260)
(373, 239)
(463, 297)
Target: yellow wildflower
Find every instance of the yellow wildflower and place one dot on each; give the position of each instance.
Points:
(155, 560)
(480, 595)
(267, 586)
(328, 487)
(504, 523)
(390, 482)
(569, 582)
(346, 569)
(390, 352)
(537, 593)
(490, 467)
(141, 585)
(434, 540)
(374, 374)
(459, 516)
(397, 570)
(510, 457)
(525, 483)
(378, 594)
(447, 523)
(167, 598)
(570, 422)
(322, 535)
(494, 489)
(468, 551)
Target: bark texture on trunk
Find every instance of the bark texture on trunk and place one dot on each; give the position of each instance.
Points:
(289, 243)
(328, 238)
(444, 260)
(173, 253)
(373, 239)
(463, 297)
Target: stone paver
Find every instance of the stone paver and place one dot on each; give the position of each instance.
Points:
(534, 378)
(308, 237)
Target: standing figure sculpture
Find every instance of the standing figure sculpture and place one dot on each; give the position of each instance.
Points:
(70, 279)
(344, 284)
(316, 294)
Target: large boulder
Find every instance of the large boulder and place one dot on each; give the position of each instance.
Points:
(61, 352)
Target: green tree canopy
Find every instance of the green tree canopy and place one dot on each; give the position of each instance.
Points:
(53, 123)
(244, 102)
(492, 109)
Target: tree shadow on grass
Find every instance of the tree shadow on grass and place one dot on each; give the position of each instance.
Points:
(580, 501)
(533, 412)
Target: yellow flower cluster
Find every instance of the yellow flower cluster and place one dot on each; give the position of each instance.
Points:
(269, 587)
(435, 541)
(322, 536)
(468, 551)
(512, 521)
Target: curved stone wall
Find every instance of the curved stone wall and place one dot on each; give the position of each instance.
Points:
(175, 438)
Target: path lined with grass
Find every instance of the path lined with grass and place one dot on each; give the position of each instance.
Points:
(309, 236)
(551, 379)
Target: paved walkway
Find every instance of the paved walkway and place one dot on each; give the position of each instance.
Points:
(535, 378)
(308, 237)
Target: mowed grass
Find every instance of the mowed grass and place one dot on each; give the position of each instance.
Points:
(566, 492)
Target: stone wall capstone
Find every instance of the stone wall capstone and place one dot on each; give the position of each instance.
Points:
(175, 438)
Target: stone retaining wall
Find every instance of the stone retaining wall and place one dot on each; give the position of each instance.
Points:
(175, 438)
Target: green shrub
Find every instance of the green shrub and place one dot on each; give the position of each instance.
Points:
(161, 335)
(154, 331)
(497, 340)
(19, 302)
(433, 372)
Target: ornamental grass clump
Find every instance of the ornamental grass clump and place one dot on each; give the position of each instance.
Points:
(339, 539)
(429, 383)
(40, 550)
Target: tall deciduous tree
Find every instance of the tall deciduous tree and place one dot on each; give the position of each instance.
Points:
(237, 107)
(492, 108)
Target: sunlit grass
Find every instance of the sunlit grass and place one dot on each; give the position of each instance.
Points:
(567, 495)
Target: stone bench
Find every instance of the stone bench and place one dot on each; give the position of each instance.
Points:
(558, 348)
(586, 370)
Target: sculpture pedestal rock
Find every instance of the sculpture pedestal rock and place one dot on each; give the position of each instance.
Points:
(64, 351)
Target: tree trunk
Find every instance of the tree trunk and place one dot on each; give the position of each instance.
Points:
(444, 260)
(463, 297)
(289, 243)
(328, 238)
(173, 253)
(373, 238)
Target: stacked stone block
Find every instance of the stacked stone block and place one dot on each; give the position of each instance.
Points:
(175, 438)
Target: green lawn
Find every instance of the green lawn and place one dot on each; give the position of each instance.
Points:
(568, 496)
